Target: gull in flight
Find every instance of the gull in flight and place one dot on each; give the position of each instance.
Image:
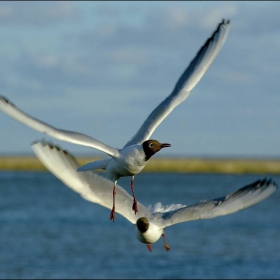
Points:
(149, 224)
(132, 158)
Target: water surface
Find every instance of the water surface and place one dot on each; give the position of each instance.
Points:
(48, 231)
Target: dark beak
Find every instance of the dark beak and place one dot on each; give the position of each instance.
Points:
(165, 145)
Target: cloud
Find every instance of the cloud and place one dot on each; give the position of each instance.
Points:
(131, 55)
(149, 56)
(257, 19)
(36, 14)
(152, 54)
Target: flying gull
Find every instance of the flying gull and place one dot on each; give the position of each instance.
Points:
(149, 223)
(132, 158)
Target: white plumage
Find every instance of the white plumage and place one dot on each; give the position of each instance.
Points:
(97, 189)
(132, 158)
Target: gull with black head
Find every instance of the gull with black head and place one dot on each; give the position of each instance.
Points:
(132, 158)
(150, 223)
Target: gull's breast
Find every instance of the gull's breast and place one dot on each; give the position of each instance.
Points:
(152, 235)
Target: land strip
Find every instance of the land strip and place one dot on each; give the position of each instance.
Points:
(184, 165)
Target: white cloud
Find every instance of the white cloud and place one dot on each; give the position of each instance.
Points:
(35, 13)
(46, 61)
(134, 66)
(176, 17)
(128, 55)
(220, 11)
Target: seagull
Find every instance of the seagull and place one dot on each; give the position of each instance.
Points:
(132, 158)
(150, 223)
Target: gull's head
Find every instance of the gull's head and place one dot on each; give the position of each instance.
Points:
(153, 146)
(147, 232)
(142, 224)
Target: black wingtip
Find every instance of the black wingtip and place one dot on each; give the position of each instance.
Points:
(44, 142)
(48, 143)
(6, 100)
(259, 184)
(213, 35)
(223, 21)
(265, 182)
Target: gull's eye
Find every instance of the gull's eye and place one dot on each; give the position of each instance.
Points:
(151, 145)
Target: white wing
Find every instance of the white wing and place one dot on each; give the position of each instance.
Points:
(239, 200)
(98, 190)
(73, 137)
(89, 185)
(192, 75)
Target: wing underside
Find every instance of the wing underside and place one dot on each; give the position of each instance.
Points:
(89, 185)
(192, 75)
(239, 200)
(69, 136)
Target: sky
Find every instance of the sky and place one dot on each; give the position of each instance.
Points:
(100, 68)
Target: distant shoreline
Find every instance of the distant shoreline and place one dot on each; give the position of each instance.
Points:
(182, 165)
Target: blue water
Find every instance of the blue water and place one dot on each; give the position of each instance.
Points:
(48, 231)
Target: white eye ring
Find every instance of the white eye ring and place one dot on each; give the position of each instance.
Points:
(151, 145)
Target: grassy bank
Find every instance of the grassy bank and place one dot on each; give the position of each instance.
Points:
(190, 165)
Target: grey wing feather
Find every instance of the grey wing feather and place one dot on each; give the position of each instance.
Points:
(239, 200)
(192, 75)
(73, 137)
(89, 185)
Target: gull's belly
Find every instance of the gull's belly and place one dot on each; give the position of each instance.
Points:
(130, 162)
(123, 167)
(152, 235)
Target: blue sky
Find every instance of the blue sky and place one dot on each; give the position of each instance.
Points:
(101, 67)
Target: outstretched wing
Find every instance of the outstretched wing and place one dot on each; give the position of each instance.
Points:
(239, 200)
(69, 136)
(89, 185)
(192, 75)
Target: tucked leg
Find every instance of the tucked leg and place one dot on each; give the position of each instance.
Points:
(149, 247)
(134, 206)
(113, 213)
(167, 248)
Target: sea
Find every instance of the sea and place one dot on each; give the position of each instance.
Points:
(48, 231)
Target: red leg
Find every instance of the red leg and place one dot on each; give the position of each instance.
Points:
(113, 213)
(149, 247)
(134, 206)
(167, 248)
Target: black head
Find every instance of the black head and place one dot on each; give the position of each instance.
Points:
(142, 224)
(153, 146)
